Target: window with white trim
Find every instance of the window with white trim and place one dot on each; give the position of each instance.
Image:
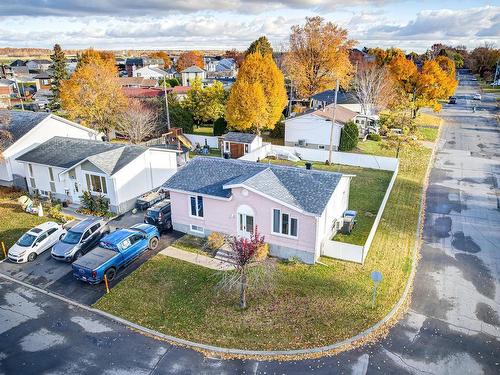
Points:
(196, 206)
(32, 179)
(197, 229)
(96, 184)
(246, 148)
(51, 180)
(284, 224)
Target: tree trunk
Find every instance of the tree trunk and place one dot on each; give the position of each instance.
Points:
(243, 292)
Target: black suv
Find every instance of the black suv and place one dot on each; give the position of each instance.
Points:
(160, 215)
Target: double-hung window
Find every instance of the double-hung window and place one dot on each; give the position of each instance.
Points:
(196, 205)
(284, 224)
(32, 178)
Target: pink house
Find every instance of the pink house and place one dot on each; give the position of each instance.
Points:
(294, 208)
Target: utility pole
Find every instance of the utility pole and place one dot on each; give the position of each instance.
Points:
(290, 99)
(166, 101)
(19, 93)
(334, 112)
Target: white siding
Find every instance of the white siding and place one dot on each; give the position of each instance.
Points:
(45, 130)
(315, 130)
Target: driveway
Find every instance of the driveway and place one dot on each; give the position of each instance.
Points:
(57, 277)
(452, 327)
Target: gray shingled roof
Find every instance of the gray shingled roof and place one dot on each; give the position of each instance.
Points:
(307, 190)
(18, 123)
(65, 152)
(193, 69)
(239, 137)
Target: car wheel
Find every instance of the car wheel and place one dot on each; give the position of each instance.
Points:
(169, 225)
(32, 257)
(153, 243)
(110, 274)
(77, 255)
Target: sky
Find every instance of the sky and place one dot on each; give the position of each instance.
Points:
(226, 24)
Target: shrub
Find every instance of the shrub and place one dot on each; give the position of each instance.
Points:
(220, 126)
(279, 129)
(262, 252)
(101, 203)
(348, 136)
(374, 137)
(55, 213)
(215, 240)
(88, 201)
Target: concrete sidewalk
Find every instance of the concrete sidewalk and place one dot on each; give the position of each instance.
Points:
(198, 259)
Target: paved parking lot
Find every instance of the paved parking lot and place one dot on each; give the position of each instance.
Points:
(57, 277)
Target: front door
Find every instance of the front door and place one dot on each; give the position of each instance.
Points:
(245, 225)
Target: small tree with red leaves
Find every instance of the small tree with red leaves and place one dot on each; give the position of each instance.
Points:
(245, 251)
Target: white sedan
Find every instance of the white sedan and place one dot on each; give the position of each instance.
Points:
(36, 241)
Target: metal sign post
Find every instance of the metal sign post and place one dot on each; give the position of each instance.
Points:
(377, 278)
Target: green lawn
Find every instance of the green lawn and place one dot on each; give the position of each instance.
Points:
(14, 221)
(203, 130)
(274, 141)
(428, 133)
(367, 191)
(190, 243)
(212, 152)
(305, 306)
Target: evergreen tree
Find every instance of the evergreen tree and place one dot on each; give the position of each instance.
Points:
(59, 66)
(260, 45)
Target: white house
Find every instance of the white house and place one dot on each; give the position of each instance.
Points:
(151, 72)
(66, 167)
(40, 64)
(188, 75)
(27, 131)
(238, 144)
(312, 129)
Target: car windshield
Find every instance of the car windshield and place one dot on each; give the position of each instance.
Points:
(26, 240)
(151, 213)
(72, 237)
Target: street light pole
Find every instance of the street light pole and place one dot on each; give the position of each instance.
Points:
(166, 102)
(334, 112)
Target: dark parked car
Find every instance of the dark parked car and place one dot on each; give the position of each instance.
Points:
(160, 215)
(114, 252)
(452, 100)
(80, 239)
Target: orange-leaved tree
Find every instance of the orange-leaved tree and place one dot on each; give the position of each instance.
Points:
(258, 96)
(188, 59)
(93, 94)
(318, 56)
(167, 62)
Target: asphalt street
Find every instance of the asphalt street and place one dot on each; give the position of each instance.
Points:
(452, 327)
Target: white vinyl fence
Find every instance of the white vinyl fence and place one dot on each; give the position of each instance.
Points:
(202, 140)
(330, 248)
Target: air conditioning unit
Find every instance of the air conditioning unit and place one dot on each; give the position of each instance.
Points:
(338, 223)
(302, 142)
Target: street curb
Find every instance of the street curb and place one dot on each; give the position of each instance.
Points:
(282, 354)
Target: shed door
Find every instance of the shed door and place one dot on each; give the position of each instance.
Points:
(237, 150)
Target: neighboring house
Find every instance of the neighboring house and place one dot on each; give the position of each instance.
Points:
(28, 130)
(294, 208)
(137, 82)
(180, 92)
(188, 75)
(143, 92)
(346, 99)
(239, 144)
(221, 68)
(18, 63)
(151, 72)
(42, 98)
(66, 167)
(43, 81)
(312, 129)
(7, 92)
(40, 65)
(359, 57)
(134, 63)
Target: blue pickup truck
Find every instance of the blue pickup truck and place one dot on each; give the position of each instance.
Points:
(115, 251)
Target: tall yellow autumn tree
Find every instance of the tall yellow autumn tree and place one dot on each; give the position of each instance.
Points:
(318, 56)
(93, 94)
(424, 88)
(258, 96)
